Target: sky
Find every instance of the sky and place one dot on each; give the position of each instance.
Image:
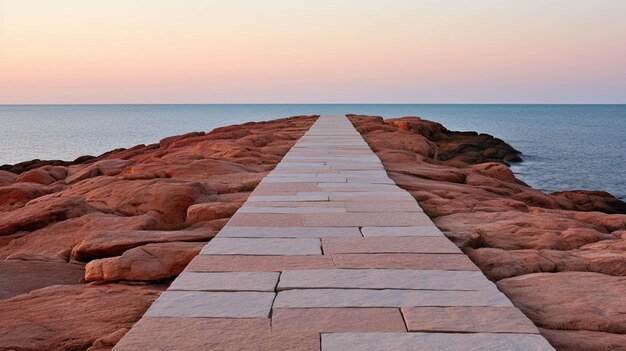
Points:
(322, 51)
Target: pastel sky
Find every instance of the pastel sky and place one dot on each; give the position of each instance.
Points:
(321, 51)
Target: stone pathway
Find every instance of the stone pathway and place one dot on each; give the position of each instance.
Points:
(329, 254)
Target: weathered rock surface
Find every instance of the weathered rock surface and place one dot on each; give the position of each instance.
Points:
(148, 262)
(71, 317)
(512, 231)
(19, 277)
(137, 214)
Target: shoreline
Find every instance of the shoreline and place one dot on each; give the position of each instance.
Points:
(129, 221)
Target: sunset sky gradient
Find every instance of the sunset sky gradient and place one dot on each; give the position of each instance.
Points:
(350, 51)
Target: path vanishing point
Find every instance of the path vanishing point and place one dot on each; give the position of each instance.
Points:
(329, 254)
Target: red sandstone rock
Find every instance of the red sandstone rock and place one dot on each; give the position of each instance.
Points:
(16, 195)
(583, 340)
(101, 244)
(7, 177)
(570, 300)
(148, 262)
(511, 230)
(211, 211)
(19, 277)
(55, 242)
(38, 214)
(44, 175)
(71, 317)
(108, 167)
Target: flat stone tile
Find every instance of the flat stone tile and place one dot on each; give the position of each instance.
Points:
(270, 210)
(358, 187)
(362, 219)
(425, 230)
(288, 232)
(262, 246)
(230, 281)
(242, 219)
(297, 198)
(451, 262)
(212, 304)
(289, 341)
(468, 320)
(240, 263)
(263, 192)
(427, 244)
(406, 279)
(215, 334)
(378, 180)
(308, 186)
(337, 320)
(380, 206)
(303, 178)
(315, 298)
(433, 341)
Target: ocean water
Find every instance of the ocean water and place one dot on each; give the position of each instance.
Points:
(564, 146)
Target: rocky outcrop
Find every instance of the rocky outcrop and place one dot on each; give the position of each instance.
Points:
(147, 262)
(72, 317)
(560, 257)
(138, 214)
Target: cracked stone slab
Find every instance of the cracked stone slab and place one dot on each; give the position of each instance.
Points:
(212, 304)
(337, 320)
(226, 281)
(242, 263)
(468, 320)
(288, 232)
(427, 244)
(433, 341)
(451, 262)
(262, 246)
(406, 279)
(315, 298)
(424, 230)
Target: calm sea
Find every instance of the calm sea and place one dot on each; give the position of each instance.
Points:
(564, 146)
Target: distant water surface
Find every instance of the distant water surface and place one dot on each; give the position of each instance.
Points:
(564, 146)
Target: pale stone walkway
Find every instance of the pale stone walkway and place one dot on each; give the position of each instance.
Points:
(328, 253)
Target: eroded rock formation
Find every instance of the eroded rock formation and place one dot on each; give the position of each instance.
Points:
(561, 258)
(86, 246)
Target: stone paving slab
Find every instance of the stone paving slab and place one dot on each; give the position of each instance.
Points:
(384, 279)
(338, 320)
(297, 197)
(426, 244)
(242, 219)
(269, 246)
(241, 263)
(231, 281)
(468, 320)
(217, 334)
(272, 210)
(425, 230)
(433, 341)
(315, 298)
(212, 304)
(382, 206)
(364, 219)
(453, 262)
(308, 186)
(289, 232)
